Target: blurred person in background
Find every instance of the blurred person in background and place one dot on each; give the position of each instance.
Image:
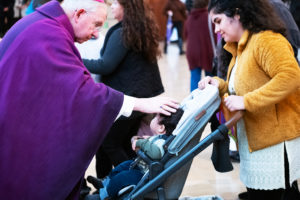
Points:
(199, 50)
(6, 15)
(177, 10)
(293, 33)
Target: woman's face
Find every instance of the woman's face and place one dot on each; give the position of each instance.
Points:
(230, 28)
(117, 10)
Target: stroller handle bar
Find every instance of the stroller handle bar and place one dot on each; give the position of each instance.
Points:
(234, 119)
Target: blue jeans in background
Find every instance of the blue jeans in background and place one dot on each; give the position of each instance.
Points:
(196, 77)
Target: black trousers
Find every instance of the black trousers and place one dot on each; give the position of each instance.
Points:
(178, 25)
(116, 146)
(290, 193)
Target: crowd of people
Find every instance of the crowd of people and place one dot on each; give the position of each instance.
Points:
(55, 117)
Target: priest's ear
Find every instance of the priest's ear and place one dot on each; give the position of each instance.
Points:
(79, 13)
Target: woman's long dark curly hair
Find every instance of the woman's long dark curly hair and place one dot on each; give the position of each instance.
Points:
(139, 29)
(255, 15)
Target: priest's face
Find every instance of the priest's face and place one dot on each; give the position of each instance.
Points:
(87, 24)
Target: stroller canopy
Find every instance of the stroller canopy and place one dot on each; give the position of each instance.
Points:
(198, 108)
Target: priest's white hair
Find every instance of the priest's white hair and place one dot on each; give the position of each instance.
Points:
(88, 5)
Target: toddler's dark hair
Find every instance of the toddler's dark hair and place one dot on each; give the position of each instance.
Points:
(170, 122)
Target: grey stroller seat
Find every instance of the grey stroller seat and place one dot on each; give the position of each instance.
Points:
(198, 108)
(165, 178)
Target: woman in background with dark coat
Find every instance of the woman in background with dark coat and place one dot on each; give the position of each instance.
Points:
(199, 50)
(128, 64)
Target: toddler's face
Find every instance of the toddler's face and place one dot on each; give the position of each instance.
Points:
(157, 128)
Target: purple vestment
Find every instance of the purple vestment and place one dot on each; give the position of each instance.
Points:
(53, 117)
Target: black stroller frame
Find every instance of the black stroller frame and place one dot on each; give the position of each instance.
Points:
(165, 178)
(155, 182)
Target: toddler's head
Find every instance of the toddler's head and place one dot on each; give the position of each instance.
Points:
(162, 124)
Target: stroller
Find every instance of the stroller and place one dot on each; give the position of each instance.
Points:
(166, 177)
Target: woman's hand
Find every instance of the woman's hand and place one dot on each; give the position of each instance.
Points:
(163, 105)
(234, 103)
(207, 80)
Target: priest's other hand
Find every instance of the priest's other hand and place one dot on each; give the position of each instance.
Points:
(163, 105)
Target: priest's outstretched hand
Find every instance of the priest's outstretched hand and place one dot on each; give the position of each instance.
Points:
(163, 105)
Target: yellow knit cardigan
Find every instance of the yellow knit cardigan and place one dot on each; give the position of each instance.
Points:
(268, 77)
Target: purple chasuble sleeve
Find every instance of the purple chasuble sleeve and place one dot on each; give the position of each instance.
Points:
(53, 116)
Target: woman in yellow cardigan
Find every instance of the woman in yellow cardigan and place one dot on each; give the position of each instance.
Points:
(264, 80)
